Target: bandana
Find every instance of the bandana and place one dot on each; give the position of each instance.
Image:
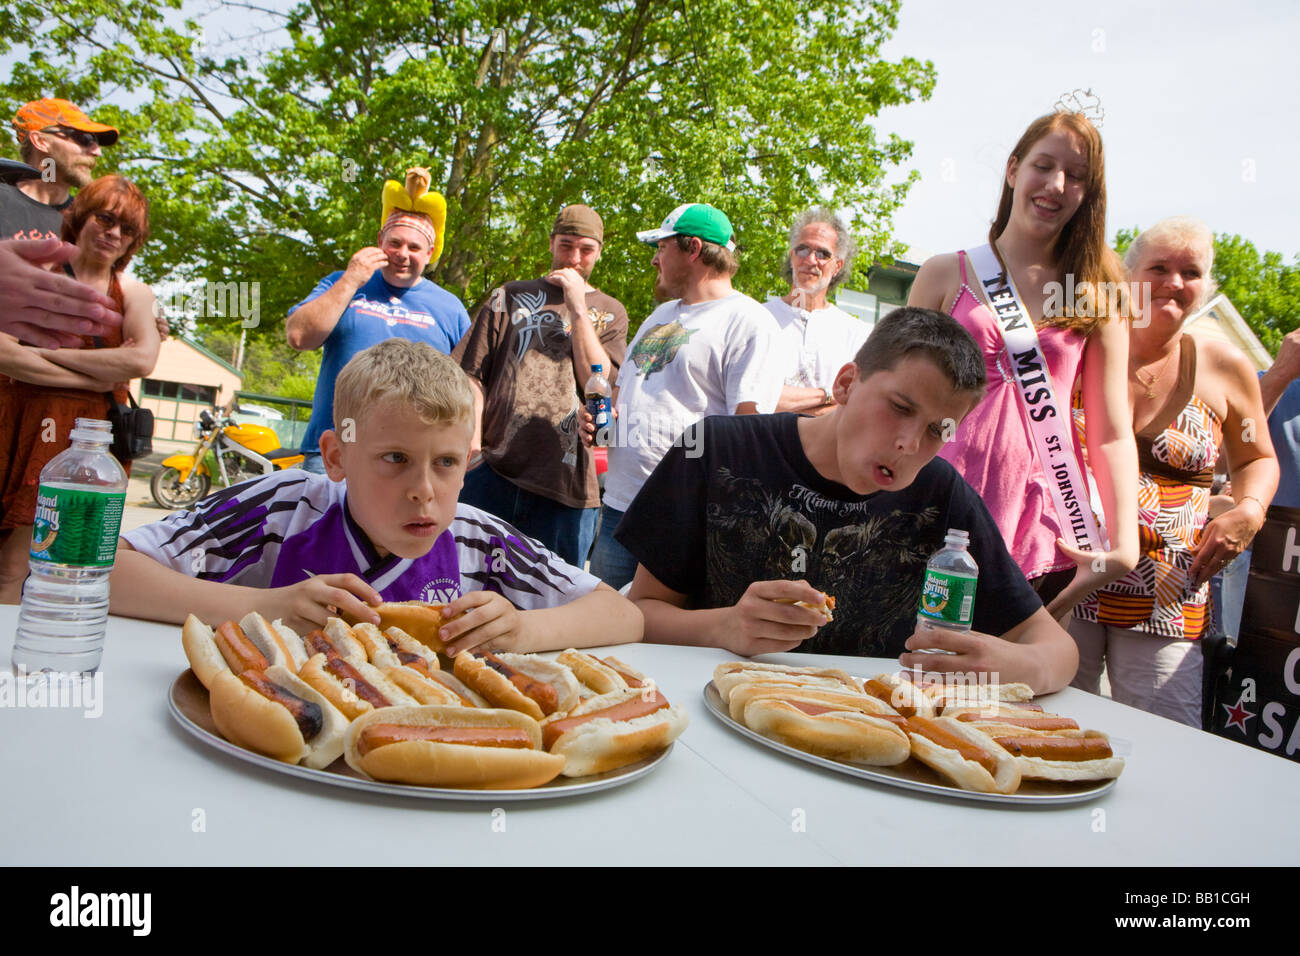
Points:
(412, 220)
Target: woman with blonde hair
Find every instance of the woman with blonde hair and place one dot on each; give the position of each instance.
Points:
(43, 391)
(1039, 300)
(1189, 396)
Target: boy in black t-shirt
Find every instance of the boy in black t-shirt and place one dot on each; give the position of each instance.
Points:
(765, 510)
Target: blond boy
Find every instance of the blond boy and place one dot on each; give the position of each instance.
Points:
(384, 524)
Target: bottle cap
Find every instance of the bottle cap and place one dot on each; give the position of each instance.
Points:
(93, 429)
(598, 368)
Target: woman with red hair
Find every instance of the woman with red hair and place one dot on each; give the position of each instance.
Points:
(1047, 249)
(43, 391)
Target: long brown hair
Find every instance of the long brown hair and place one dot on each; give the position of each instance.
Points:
(115, 195)
(1081, 249)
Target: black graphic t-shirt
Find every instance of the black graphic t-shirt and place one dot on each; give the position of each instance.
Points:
(22, 217)
(740, 502)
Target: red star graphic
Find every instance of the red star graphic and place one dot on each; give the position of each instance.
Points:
(1237, 714)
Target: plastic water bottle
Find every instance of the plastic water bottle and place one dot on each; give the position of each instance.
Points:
(74, 541)
(948, 594)
(597, 393)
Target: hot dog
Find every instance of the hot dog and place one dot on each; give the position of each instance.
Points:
(902, 695)
(965, 755)
(530, 685)
(451, 747)
(773, 670)
(613, 730)
(1062, 754)
(354, 687)
(604, 676)
(824, 607)
(849, 727)
(266, 709)
(434, 687)
(393, 647)
(726, 683)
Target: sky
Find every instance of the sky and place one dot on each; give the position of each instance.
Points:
(1200, 102)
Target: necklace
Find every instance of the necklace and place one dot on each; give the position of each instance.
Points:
(1150, 386)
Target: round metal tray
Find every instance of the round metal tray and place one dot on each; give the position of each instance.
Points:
(188, 703)
(915, 776)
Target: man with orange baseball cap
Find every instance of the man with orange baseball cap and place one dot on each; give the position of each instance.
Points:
(61, 141)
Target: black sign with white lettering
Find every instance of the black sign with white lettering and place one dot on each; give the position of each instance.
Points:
(1261, 703)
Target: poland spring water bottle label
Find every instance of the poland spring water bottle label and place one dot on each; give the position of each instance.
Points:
(948, 598)
(76, 526)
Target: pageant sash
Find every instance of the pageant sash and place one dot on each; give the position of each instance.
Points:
(1049, 421)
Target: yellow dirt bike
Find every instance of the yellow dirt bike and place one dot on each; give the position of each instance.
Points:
(241, 451)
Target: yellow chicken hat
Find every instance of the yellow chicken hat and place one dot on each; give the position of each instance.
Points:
(412, 204)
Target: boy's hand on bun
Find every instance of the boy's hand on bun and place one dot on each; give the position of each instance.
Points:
(306, 606)
(487, 622)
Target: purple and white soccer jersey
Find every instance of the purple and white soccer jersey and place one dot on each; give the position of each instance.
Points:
(288, 526)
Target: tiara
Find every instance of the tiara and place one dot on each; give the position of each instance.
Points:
(1082, 101)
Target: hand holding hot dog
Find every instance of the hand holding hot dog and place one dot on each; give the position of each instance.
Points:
(767, 621)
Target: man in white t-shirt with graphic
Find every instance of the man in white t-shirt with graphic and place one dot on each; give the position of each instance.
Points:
(705, 351)
(816, 338)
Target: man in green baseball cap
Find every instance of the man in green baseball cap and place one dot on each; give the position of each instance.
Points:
(694, 219)
(705, 351)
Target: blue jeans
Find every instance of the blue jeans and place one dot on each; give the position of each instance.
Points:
(1233, 592)
(313, 462)
(610, 561)
(566, 531)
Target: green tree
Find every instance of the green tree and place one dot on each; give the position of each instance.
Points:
(269, 367)
(1262, 287)
(267, 167)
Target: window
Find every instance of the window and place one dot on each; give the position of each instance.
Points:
(200, 394)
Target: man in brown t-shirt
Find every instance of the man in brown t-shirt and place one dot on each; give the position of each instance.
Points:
(529, 354)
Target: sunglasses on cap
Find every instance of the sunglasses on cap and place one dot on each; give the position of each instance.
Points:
(79, 136)
(821, 255)
(107, 221)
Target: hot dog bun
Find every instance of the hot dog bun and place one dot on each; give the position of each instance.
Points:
(424, 689)
(419, 619)
(246, 718)
(595, 736)
(837, 726)
(969, 774)
(351, 698)
(393, 647)
(1021, 743)
(433, 764)
(602, 676)
(901, 695)
(517, 681)
(280, 644)
(727, 683)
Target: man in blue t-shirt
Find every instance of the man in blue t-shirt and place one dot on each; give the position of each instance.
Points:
(382, 293)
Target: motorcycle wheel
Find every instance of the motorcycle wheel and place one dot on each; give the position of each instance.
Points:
(168, 491)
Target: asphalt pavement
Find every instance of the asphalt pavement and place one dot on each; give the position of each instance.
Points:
(141, 509)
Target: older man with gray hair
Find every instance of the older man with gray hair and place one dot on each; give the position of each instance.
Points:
(815, 338)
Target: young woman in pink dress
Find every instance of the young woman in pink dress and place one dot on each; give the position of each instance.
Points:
(1050, 233)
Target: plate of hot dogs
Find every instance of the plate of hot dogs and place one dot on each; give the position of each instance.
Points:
(984, 742)
(374, 708)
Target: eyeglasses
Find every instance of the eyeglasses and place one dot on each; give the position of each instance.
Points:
(107, 221)
(821, 255)
(79, 136)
